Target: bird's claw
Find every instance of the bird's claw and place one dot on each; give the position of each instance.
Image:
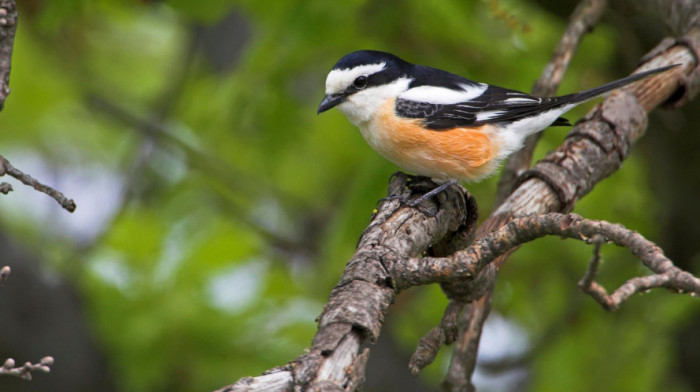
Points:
(411, 203)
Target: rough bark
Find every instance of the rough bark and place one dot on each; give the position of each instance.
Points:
(593, 150)
(8, 25)
(358, 304)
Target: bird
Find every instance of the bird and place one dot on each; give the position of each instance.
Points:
(438, 124)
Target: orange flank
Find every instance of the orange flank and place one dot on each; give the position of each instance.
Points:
(461, 153)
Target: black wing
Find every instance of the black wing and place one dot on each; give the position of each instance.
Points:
(501, 105)
(496, 104)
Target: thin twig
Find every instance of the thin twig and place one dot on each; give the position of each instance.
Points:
(25, 371)
(4, 273)
(444, 334)
(7, 168)
(470, 328)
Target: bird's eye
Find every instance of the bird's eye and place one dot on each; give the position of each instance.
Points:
(360, 82)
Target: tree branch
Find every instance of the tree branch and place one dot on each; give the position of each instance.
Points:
(444, 334)
(7, 168)
(8, 25)
(672, 278)
(593, 150)
(358, 304)
(468, 263)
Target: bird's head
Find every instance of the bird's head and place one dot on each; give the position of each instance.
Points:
(361, 82)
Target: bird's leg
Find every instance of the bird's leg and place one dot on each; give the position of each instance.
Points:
(435, 191)
(416, 203)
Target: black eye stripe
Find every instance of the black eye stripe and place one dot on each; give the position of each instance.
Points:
(384, 76)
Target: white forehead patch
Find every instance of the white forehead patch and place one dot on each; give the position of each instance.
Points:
(443, 95)
(339, 79)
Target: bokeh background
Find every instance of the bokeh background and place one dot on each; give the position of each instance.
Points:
(216, 210)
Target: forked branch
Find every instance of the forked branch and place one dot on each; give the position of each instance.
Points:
(468, 263)
(25, 371)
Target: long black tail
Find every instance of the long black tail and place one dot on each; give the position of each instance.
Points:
(600, 90)
(583, 96)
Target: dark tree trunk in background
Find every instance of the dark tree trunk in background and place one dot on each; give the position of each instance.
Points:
(673, 160)
(42, 315)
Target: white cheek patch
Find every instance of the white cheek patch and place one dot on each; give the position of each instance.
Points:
(443, 95)
(338, 80)
(363, 105)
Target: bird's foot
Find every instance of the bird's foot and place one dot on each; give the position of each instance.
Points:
(420, 182)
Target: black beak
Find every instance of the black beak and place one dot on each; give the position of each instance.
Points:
(329, 102)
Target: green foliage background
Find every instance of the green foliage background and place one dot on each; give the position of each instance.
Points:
(230, 207)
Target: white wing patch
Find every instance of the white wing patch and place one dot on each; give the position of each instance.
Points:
(483, 116)
(516, 100)
(339, 79)
(442, 95)
(536, 123)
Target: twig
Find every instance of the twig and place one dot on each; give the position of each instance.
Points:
(4, 273)
(25, 371)
(582, 21)
(468, 263)
(463, 362)
(587, 283)
(7, 168)
(444, 334)
(668, 279)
